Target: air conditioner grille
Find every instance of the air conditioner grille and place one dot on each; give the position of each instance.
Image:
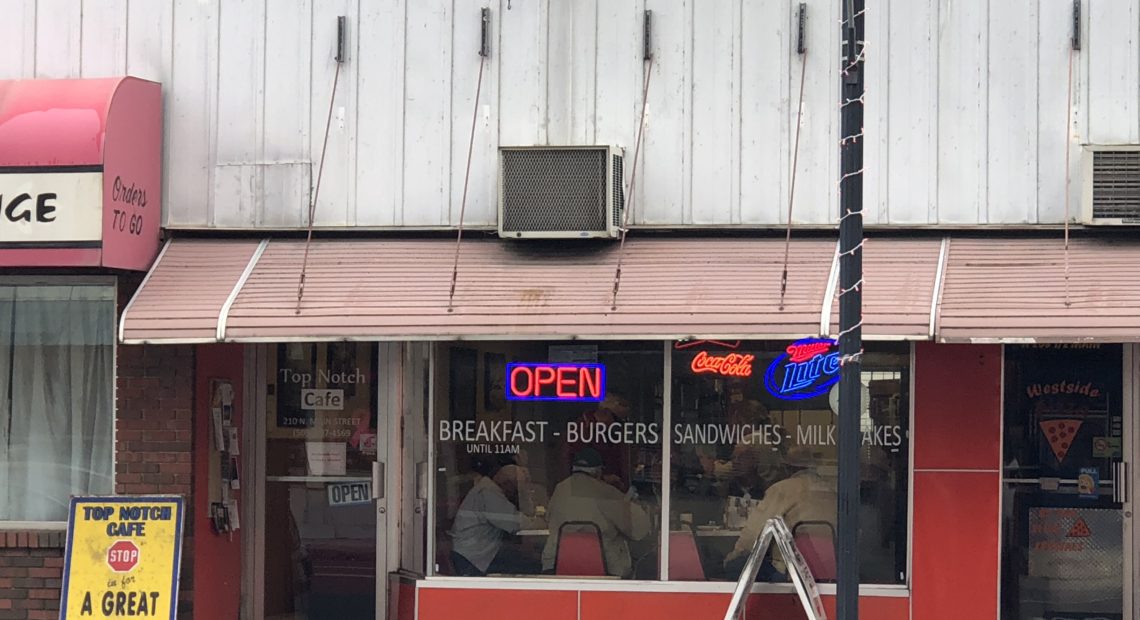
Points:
(554, 190)
(619, 190)
(1116, 184)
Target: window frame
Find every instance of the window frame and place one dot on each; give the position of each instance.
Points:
(544, 582)
(111, 282)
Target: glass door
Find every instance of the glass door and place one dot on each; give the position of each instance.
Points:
(323, 488)
(1066, 510)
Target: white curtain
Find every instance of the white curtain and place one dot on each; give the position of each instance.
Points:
(56, 398)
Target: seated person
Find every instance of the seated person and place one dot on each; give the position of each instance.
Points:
(484, 517)
(755, 465)
(804, 496)
(585, 497)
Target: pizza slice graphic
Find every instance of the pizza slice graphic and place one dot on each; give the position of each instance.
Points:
(1060, 434)
(1080, 529)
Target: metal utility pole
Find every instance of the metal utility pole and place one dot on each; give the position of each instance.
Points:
(850, 308)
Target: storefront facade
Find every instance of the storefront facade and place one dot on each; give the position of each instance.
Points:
(362, 447)
(369, 418)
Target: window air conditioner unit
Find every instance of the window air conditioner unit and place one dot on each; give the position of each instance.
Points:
(560, 192)
(1110, 190)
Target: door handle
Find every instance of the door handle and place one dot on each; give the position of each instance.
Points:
(1120, 482)
(421, 480)
(377, 480)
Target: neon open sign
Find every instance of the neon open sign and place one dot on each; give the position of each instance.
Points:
(806, 369)
(564, 382)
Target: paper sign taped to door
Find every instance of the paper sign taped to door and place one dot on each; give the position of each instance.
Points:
(326, 458)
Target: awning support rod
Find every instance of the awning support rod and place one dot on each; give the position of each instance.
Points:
(801, 48)
(1074, 46)
(484, 51)
(340, 38)
(647, 57)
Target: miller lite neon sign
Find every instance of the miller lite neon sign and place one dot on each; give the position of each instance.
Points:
(558, 382)
(806, 369)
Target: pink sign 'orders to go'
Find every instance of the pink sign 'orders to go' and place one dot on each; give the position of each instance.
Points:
(560, 382)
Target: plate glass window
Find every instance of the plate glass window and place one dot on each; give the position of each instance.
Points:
(548, 459)
(1063, 515)
(56, 397)
(754, 436)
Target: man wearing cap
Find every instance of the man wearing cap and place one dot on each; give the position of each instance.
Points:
(615, 457)
(485, 516)
(804, 496)
(585, 497)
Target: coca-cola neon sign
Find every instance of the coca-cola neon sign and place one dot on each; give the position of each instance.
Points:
(730, 365)
(806, 369)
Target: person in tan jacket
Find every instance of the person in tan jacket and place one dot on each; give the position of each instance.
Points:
(803, 496)
(585, 497)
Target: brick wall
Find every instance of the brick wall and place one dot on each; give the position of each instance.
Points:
(153, 435)
(153, 441)
(31, 564)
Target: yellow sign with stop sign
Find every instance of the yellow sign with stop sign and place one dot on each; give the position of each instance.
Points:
(122, 557)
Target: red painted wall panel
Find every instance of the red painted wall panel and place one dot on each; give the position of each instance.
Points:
(957, 406)
(653, 605)
(788, 607)
(401, 598)
(448, 603)
(957, 433)
(217, 558)
(956, 520)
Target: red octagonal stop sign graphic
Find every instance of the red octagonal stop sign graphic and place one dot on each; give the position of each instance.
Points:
(123, 556)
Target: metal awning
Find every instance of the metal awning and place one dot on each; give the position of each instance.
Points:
(900, 281)
(960, 289)
(210, 290)
(1013, 290)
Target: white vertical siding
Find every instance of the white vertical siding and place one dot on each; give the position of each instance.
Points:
(964, 107)
(1011, 136)
(18, 40)
(103, 21)
(1057, 114)
(427, 117)
(336, 202)
(664, 169)
(191, 107)
(238, 173)
(380, 130)
(150, 39)
(59, 38)
(286, 173)
(817, 198)
(1113, 49)
(713, 108)
(962, 110)
(521, 63)
(906, 101)
(769, 91)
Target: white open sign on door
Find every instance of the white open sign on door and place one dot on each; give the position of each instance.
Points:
(349, 493)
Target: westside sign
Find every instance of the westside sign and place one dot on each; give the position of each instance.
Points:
(806, 369)
(122, 557)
